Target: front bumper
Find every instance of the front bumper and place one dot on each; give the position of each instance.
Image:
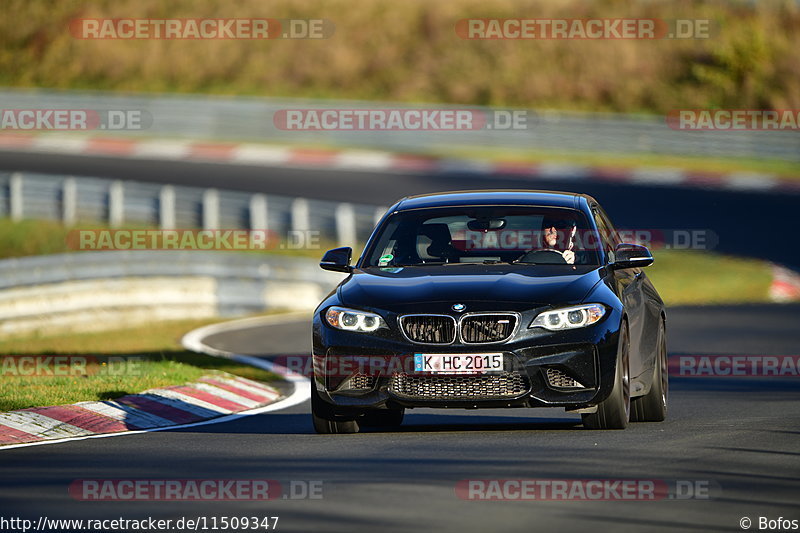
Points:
(358, 372)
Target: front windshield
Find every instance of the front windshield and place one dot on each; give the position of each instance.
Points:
(484, 235)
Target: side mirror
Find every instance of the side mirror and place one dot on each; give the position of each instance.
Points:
(337, 260)
(631, 256)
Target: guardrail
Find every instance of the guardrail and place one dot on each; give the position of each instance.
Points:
(251, 119)
(91, 200)
(112, 289)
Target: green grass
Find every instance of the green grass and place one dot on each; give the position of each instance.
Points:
(705, 278)
(31, 237)
(682, 277)
(120, 362)
(700, 164)
(39, 237)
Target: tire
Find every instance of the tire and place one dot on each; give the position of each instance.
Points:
(326, 420)
(384, 418)
(614, 412)
(652, 407)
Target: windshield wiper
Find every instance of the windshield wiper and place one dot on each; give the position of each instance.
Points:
(442, 263)
(498, 262)
(485, 262)
(438, 263)
(412, 265)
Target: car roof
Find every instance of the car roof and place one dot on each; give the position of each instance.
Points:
(494, 197)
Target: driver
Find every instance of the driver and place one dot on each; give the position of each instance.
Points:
(558, 235)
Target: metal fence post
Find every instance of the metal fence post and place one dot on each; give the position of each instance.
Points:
(259, 216)
(116, 204)
(166, 207)
(346, 225)
(15, 199)
(210, 209)
(69, 201)
(300, 215)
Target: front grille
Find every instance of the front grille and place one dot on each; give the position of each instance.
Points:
(430, 329)
(560, 380)
(483, 387)
(487, 328)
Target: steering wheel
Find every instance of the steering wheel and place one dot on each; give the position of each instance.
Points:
(546, 257)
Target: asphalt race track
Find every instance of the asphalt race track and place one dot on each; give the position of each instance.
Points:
(743, 222)
(732, 441)
(737, 437)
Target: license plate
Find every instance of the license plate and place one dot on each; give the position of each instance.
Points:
(458, 363)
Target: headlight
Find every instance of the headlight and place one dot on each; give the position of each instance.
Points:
(352, 320)
(578, 316)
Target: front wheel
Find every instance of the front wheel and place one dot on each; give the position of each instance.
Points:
(614, 412)
(326, 420)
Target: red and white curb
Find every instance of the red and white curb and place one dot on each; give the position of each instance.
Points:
(214, 395)
(367, 160)
(785, 285)
(214, 399)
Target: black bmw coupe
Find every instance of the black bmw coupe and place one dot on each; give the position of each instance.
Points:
(490, 299)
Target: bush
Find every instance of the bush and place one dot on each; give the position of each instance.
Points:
(409, 51)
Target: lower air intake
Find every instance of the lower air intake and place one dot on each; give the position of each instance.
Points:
(362, 381)
(483, 387)
(560, 380)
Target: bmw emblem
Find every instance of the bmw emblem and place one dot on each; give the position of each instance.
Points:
(458, 308)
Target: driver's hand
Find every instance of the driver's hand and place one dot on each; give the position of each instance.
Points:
(569, 256)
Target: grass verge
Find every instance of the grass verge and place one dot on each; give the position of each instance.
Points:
(108, 365)
(699, 164)
(40, 237)
(703, 278)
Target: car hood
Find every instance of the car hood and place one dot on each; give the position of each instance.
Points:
(514, 287)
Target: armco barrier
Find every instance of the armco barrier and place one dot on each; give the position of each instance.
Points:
(251, 119)
(74, 200)
(107, 290)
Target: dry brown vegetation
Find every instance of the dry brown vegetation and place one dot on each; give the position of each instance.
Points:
(409, 51)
